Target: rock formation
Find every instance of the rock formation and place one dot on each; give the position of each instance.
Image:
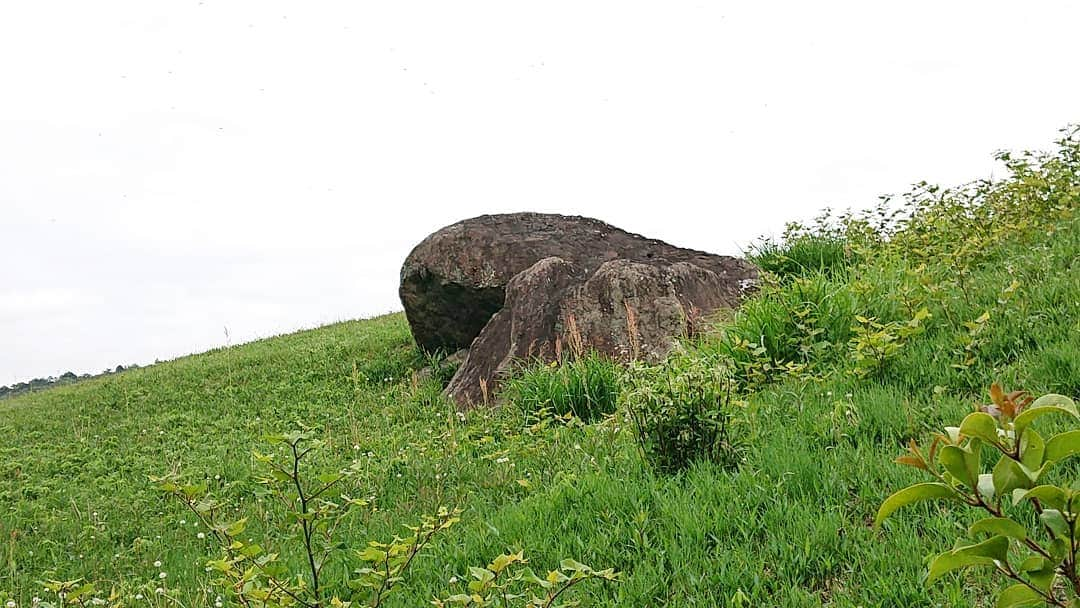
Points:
(527, 285)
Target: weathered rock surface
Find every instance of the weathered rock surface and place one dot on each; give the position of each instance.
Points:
(529, 285)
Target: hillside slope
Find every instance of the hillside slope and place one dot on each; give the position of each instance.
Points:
(995, 267)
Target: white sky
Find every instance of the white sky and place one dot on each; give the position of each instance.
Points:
(172, 169)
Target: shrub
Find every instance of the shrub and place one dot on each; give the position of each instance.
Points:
(1030, 534)
(789, 327)
(587, 387)
(683, 412)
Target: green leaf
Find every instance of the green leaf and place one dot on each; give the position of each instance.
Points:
(1050, 496)
(1009, 475)
(1055, 521)
(501, 562)
(237, 527)
(330, 478)
(998, 526)
(1032, 449)
(1018, 596)
(1040, 571)
(985, 553)
(1047, 404)
(912, 494)
(962, 463)
(371, 554)
(981, 425)
(1062, 446)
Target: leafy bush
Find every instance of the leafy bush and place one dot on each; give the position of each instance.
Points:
(587, 387)
(788, 328)
(683, 412)
(1030, 536)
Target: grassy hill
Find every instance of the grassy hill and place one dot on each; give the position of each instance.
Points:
(822, 406)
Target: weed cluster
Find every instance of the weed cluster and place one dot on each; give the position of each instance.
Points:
(683, 412)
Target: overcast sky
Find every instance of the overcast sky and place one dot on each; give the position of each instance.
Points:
(172, 169)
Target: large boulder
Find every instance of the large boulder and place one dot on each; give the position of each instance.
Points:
(528, 285)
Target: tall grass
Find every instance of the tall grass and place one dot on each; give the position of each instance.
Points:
(586, 386)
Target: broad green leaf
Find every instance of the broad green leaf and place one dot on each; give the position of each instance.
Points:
(1018, 596)
(530, 577)
(481, 574)
(330, 478)
(981, 425)
(371, 554)
(1055, 400)
(1040, 571)
(985, 553)
(912, 494)
(1032, 448)
(501, 562)
(1009, 475)
(1063, 446)
(1050, 496)
(962, 463)
(1047, 404)
(1055, 521)
(237, 527)
(998, 526)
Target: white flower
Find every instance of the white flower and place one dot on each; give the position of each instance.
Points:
(502, 460)
(183, 522)
(159, 591)
(11, 604)
(453, 579)
(200, 536)
(162, 575)
(138, 596)
(157, 564)
(218, 604)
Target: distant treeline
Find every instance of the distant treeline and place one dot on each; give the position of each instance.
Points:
(38, 384)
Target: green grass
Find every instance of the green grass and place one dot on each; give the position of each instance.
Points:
(789, 527)
(586, 387)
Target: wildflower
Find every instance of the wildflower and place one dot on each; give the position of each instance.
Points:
(11, 604)
(159, 591)
(453, 579)
(200, 536)
(218, 604)
(183, 522)
(162, 575)
(502, 460)
(157, 564)
(138, 596)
